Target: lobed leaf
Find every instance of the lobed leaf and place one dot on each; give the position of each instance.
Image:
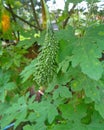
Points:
(87, 51)
(62, 92)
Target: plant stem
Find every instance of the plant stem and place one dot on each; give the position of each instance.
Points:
(34, 13)
(23, 20)
(69, 15)
(11, 10)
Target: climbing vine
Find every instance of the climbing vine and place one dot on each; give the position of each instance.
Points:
(51, 79)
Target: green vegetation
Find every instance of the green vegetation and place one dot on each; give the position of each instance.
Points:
(51, 80)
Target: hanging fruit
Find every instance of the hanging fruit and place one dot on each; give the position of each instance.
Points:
(47, 65)
(46, 61)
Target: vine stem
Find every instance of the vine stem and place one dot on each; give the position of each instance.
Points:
(23, 20)
(11, 10)
(69, 15)
(34, 13)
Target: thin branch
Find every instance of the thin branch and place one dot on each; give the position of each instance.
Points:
(23, 20)
(69, 15)
(14, 18)
(11, 11)
(34, 13)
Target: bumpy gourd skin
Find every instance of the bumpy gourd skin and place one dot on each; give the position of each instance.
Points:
(46, 65)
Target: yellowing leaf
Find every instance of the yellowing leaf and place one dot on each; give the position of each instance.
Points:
(5, 21)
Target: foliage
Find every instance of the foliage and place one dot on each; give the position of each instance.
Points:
(72, 57)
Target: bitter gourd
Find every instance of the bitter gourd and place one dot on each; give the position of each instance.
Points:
(46, 61)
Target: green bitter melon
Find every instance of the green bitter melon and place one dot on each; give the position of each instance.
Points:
(46, 61)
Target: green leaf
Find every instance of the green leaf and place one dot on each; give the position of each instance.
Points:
(64, 65)
(52, 113)
(17, 112)
(66, 34)
(73, 112)
(87, 51)
(97, 122)
(4, 77)
(66, 39)
(86, 55)
(28, 71)
(40, 126)
(43, 110)
(100, 108)
(27, 38)
(93, 89)
(60, 79)
(79, 82)
(5, 85)
(100, 105)
(63, 92)
(4, 89)
(64, 126)
(28, 127)
(95, 34)
(9, 86)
